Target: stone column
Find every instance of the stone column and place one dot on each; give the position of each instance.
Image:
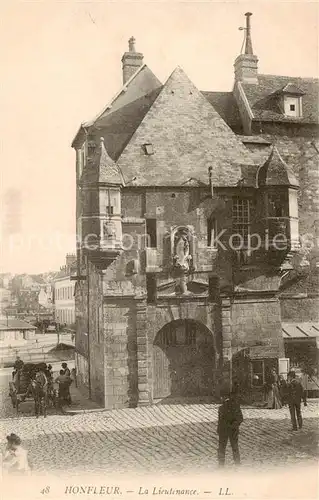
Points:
(226, 342)
(142, 355)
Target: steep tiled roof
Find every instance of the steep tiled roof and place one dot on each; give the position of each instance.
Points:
(226, 106)
(102, 169)
(118, 127)
(140, 84)
(187, 135)
(275, 172)
(264, 98)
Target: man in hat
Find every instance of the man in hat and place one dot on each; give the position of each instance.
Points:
(15, 460)
(229, 419)
(295, 393)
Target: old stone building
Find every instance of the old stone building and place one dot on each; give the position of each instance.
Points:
(191, 207)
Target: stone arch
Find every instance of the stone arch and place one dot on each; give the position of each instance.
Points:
(201, 312)
(184, 361)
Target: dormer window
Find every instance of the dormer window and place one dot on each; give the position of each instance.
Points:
(292, 100)
(148, 149)
(292, 106)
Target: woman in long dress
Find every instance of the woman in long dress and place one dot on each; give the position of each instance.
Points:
(273, 400)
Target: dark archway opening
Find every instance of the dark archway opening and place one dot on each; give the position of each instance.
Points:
(183, 361)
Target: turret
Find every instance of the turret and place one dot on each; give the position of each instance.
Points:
(278, 206)
(101, 224)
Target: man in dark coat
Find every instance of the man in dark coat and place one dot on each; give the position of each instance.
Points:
(229, 419)
(295, 394)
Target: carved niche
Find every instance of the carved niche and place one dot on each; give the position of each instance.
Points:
(109, 231)
(182, 249)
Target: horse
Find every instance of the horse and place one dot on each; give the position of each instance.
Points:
(38, 388)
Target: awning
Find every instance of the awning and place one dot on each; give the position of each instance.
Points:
(300, 331)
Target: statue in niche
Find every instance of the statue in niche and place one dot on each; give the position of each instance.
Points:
(109, 230)
(182, 257)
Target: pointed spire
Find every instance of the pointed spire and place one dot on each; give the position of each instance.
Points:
(108, 170)
(248, 45)
(102, 169)
(246, 64)
(275, 171)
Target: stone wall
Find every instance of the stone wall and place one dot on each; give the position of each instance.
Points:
(299, 309)
(96, 335)
(257, 321)
(120, 353)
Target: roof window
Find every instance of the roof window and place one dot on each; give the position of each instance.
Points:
(292, 106)
(148, 149)
(292, 100)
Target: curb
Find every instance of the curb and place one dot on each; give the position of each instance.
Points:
(70, 411)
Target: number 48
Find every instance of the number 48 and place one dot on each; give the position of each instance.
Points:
(45, 490)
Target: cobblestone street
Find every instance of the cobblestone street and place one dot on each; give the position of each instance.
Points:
(175, 438)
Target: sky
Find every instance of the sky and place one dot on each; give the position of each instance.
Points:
(61, 64)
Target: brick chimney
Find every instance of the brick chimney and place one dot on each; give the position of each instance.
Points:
(246, 65)
(131, 61)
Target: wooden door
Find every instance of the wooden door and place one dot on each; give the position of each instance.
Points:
(162, 380)
(183, 361)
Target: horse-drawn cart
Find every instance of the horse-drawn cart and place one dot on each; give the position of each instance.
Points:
(25, 387)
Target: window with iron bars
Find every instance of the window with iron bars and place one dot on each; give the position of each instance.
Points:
(241, 217)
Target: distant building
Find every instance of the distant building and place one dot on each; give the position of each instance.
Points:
(64, 303)
(5, 298)
(45, 297)
(14, 330)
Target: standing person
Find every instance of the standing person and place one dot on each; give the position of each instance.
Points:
(295, 394)
(229, 419)
(272, 391)
(282, 390)
(66, 369)
(64, 384)
(15, 459)
(18, 365)
(49, 371)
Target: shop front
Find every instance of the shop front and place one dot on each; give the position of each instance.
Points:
(301, 341)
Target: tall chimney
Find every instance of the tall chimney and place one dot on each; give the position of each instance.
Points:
(131, 61)
(246, 65)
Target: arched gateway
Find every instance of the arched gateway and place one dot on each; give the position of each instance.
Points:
(183, 360)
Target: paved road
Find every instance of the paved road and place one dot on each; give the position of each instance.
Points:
(161, 439)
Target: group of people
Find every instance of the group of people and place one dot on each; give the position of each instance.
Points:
(64, 381)
(44, 380)
(230, 415)
(275, 390)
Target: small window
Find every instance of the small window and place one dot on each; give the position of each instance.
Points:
(292, 106)
(151, 235)
(148, 149)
